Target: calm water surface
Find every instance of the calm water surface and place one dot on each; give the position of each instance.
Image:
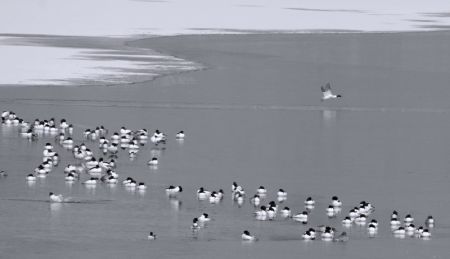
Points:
(395, 159)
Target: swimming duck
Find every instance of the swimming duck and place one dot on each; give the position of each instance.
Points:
(203, 194)
(335, 202)
(286, 212)
(309, 201)
(56, 198)
(204, 218)
(261, 190)
(172, 190)
(255, 200)
(151, 236)
(142, 186)
(180, 135)
(153, 161)
(246, 236)
(302, 217)
(31, 178)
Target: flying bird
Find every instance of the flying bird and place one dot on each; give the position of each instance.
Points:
(327, 94)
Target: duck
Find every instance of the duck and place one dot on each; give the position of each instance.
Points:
(410, 229)
(400, 231)
(172, 190)
(261, 214)
(408, 219)
(204, 218)
(180, 135)
(301, 217)
(425, 234)
(330, 211)
(347, 221)
(56, 198)
(234, 187)
(286, 212)
(111, 180)
(361, 220)
(132, 184)
(214, 197)
(142, 186)
(203, 194)
(335, 202)
(327, 94)
(70, 177)
(255, 200)
(151, 236)
(91, 181)
(395, 221)
(31, 178)
(281, 193)
(429, 221)
(195, 225)
(271, 213)
(246, 236)
(261, 191)
(372, 229)
(327, 235)
(309, 201)
(153, 161)
(308, 235)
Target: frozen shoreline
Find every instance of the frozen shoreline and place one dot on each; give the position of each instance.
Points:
(77, 65)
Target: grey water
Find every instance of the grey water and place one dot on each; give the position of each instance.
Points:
(254, 117)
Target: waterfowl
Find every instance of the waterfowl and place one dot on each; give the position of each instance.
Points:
(172, 190)
(302, 217)
(271, 213)
(203, 194)
(91, 181)
(261, 214)
(347, 221)
(214, 197)
(310, 202)
(408, 219)
(31, 177)
(429, 221)
(330, 211)
(153, 161)
(180, 135)
(361, 220)
(56, 198)
(308, 235)
(142, 186)
(327, 235)
(327, 94)
(372, 229)
(395, 222)
(70, 177)
(425, 234)
(204, 218)
(246, 236)
(335, 202)
(286, 212)
(195, 225)
(151, 236)
(261, 190)
(255, 200)
(282, 193)
(400, 231)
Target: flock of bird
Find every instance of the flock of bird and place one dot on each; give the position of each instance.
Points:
(97, 170)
